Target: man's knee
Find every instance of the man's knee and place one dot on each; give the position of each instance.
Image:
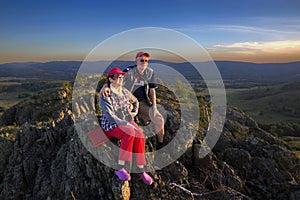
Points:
(159, 120)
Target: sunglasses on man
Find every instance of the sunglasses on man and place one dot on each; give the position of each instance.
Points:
(143, 60)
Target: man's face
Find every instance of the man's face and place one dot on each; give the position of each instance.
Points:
(142, 62)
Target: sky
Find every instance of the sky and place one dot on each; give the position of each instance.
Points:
(238, 30)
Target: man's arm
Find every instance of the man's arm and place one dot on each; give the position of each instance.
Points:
(153, 97)
(152, 86)
(105, 91)
(135, 104)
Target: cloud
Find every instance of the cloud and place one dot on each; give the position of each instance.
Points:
(269, 51)
(232, 32)
(262, 46)
(288, 28)
(254, 30)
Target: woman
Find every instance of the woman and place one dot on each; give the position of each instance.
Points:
(117, 121)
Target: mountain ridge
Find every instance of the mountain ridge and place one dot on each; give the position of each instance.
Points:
(230, 70)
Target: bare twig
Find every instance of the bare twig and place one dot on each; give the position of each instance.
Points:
(73, 196)
(203, 194)
(186, 190)
(234, 191)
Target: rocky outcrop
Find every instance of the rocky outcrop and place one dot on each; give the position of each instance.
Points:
(267, 168)
(46, 160)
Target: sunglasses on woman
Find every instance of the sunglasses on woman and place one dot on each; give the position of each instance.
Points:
(115, 77)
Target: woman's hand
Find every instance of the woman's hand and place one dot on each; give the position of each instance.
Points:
(131, 126)
(133, 114)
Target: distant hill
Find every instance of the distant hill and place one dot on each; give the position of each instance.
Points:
(269, 104)
(49, 70)
(274, 72)
(230, 70)
(243, 71)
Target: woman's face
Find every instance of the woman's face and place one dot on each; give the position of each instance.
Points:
(117, 80)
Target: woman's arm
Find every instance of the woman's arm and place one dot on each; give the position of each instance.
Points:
(108, 111)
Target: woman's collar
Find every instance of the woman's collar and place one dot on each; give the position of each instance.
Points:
(115, 90)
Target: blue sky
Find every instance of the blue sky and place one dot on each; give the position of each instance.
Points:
(255, 31)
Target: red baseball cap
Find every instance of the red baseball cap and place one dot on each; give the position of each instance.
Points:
(141, 53)
(114, 71)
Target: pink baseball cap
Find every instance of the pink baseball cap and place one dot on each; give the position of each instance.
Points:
(114, 71)
(141, 53)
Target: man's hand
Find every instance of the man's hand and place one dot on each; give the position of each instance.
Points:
(105, 91)
(156, 114)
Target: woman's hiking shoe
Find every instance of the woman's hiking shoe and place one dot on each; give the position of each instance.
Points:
(123, 175)
(146, 178)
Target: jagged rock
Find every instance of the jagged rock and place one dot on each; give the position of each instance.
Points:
(203, 162)
(232, 155)
(6, 149)
(121, 189)
(226, 140)
(8, 117)
(257, 158)
(240, 117)
(47, 160)
(231, 179)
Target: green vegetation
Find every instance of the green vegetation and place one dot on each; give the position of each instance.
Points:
(268, 104)
(276, 108)
(180, 95)
(12, 91)
(8, 132)
(293, 143)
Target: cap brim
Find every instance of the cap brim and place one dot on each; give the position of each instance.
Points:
(143, 54)
(146, 54)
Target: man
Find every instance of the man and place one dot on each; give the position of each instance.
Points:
(141, 81)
